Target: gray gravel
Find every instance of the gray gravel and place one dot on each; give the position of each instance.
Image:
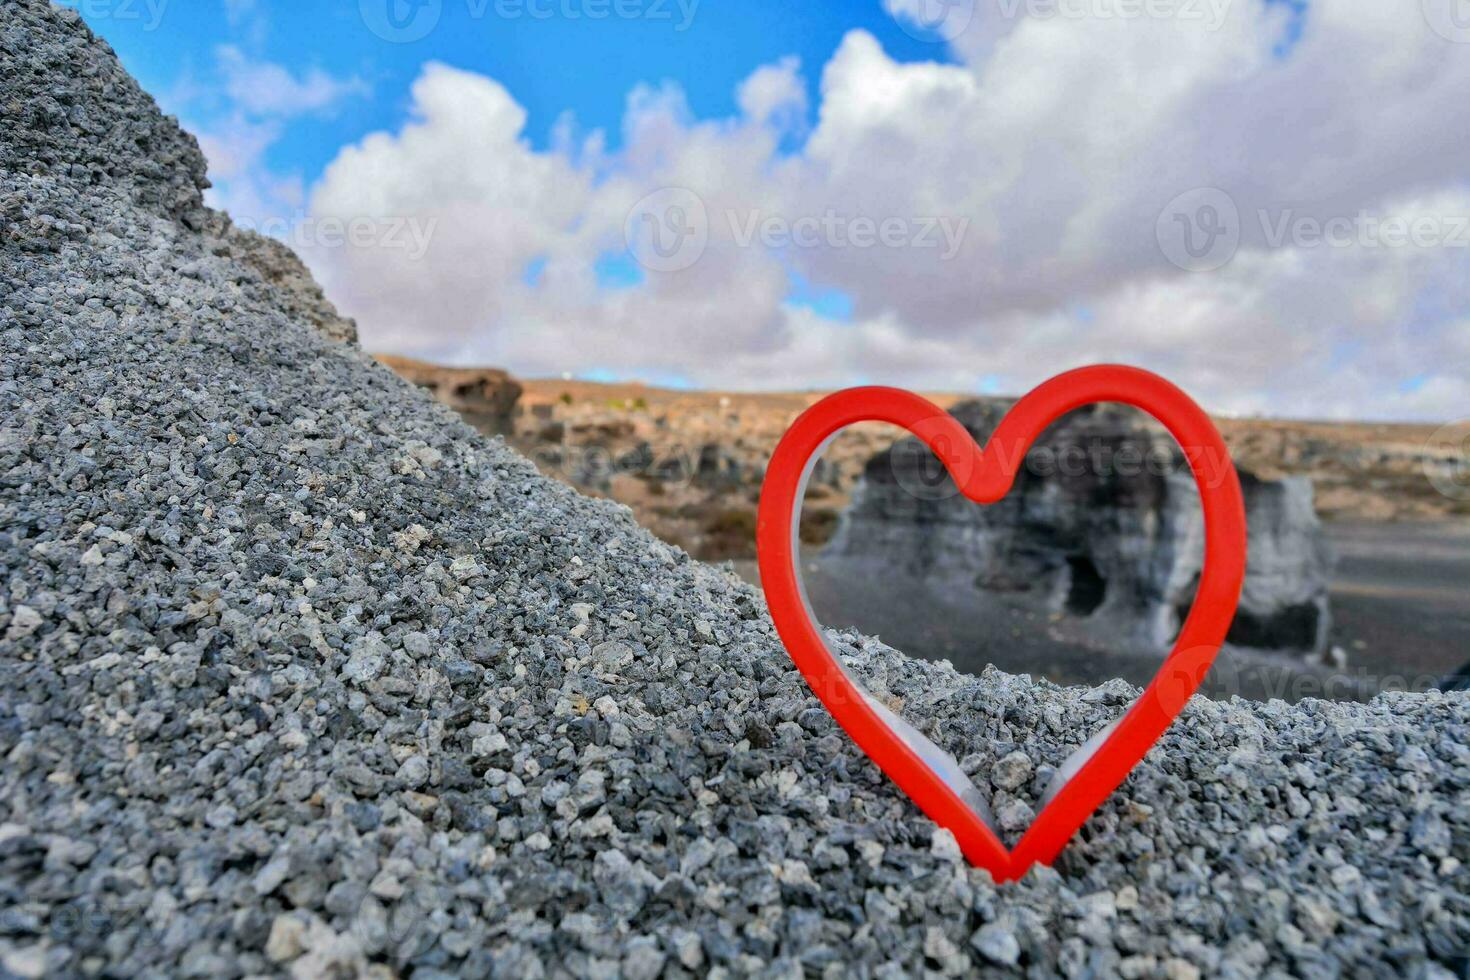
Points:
(304, 676)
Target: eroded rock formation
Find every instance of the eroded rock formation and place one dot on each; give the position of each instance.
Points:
(1104, 522)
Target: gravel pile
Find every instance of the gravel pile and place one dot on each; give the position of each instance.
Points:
(302, 676)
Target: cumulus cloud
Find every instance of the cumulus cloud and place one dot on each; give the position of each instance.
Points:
(240, 111)
(461, 167)
(248, 19)
(235, 148)
(992, 220)
(264, 88)
(775, 94)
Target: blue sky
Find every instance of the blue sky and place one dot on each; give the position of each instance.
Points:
(552, 65)
(558, 62)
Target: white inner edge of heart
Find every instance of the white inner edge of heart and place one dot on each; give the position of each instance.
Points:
(940, 762)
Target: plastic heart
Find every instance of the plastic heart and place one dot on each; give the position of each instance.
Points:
(930, 776)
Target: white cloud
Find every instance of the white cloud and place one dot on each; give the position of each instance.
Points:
(238, 11)
(235, 144)
(264, 88)
(776, 95)
(243, 185)
(248, 20)
(240, 112)
(1054, 145)
(497, 206)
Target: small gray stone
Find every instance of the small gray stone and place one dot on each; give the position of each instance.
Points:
(273, 875)
(1012, 771)
(23, 622)
(1014, 815)
(1429, 833)
(644, 960)
(287, 939)
(414, 772)
(997, 943)
(367, 660)
(623, 889)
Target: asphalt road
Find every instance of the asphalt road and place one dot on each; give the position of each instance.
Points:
(1399, 600)
(1401, 597)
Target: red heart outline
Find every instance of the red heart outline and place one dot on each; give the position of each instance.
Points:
(984, 476)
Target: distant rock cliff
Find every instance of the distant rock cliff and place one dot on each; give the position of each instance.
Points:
(485, 397)
(1103, 523)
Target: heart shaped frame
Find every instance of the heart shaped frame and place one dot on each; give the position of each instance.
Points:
(921, 769)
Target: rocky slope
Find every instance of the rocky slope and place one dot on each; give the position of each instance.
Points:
(688, 463)
(304, 677)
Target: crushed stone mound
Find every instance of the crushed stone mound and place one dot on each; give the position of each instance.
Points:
(302, 675)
